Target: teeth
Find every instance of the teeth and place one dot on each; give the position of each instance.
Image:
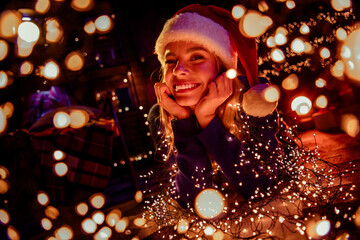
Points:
(184, 86)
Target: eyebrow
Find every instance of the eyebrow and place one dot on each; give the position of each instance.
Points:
(190, 50)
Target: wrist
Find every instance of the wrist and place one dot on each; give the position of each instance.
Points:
(205, 120)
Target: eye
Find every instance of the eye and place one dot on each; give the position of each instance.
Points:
(197, 57)
(170, 61)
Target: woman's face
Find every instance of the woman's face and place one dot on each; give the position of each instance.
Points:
(188, 70)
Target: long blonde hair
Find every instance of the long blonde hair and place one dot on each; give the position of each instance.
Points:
(227, 111)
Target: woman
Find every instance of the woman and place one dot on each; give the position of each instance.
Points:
(200, 111)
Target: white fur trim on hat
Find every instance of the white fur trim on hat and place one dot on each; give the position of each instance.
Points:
(193, 27)
(255, 104)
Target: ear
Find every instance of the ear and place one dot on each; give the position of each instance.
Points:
(255, 104)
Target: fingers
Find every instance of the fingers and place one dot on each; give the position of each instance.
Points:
(224, 86)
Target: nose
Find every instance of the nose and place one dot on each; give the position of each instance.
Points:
(180, 68)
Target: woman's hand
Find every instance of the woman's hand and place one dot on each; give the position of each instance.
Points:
(170, 105)
(218, 91)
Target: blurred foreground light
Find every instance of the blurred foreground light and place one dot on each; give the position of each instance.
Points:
(304, 29)
(64, 232)
(4, 217)
(4, 186)
(52, 212)
(183, 226)
(26, 68)
(42, 6)
(291, 82)
(277, 55)
(3, 120)
(103, 233)
(320, 82)
(103, 24)
(272, 94)
(121, 225)
(81, 209)
(98, 217)
(297, 45)
(357, 217)
(88, 225)
(113, 217)
(325, 52)
(59, 155)
(89, 27)
(350, 53)
(138, 196)
(78, 118)
(9, 23)
(209, 203)
(46, 224)
(54, 32)
(321, 101)
(61, 120)
(290, 4)
(301, 105)
(139, 222)
(270, 42)
(74, 61)
(350, 124)
(29, 31)
(280, 38)
(254, 24)
(4, 49)
(82, 5)
(238, 11)
(340, 5)
(341, 34)
(4, 80)
(209, 230)
(97, 200)
(13, 233)
(24, 48)
(263, 6)
(218, 235)
(4, 172)
(231, 73)
(308, 48)
(43, 198)
(61, 169)
(322, 227)
(337, 70)
(8, 109)
(51, 70)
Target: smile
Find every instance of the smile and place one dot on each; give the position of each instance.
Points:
(187, 86)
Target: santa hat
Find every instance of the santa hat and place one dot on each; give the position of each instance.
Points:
(215, 29)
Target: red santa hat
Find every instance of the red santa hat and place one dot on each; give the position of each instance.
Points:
(215, 29)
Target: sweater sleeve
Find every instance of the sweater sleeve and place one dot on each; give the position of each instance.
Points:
(247, 165)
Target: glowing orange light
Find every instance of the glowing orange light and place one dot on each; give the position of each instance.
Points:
(4, 172)
(51, 212)
(61, 120)
(340, 5)
(320, 82)
(103, 233)
(270, 42)
(238, 11)
(325, 52)
(3, 49)
(81, 209)
(138, 196)
(58, 155)
(82, 5)
(51, 70)
(341, 34)
(302, 105)
(4, 186)
(46, 224)
(272, 94)
(74, 61)
(304, 29)
(61, 169)
(13, 233)
(139, 222)
(262, 6)
(322, 227)
(98, 217)
(350, 54)
(88, 225)
(291, 82)
(231, 73)
(89, 27)
(78, 118)
(4, 80)
(218, 235)
(9, 23)
(290, 4)
(54, 32)
(308, 48)
(64, 232)
(182, 226)
(3, 120)
(209, 230)
(43, 198)
(357, 217)
(350, 124)
(97, 200)
(24, 48)
(103, 23)
(113, 217)
(29, 32)
(277, 55)
(122, 224)
(209, 203)
(26, 68)
(297, 45)
(42, 6)
(8, 109)
(321, 101)
(4, 217)
(254, 24)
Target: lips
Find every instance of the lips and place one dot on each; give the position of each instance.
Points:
(185, 87)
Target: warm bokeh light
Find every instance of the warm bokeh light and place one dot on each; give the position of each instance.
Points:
(297, 45)
(89, 27)
(52, 212)
(350, 124)
(4, 172)
(82, 5)
(254, 24)
(13, 233)
(320, 82)
(218, 235)
(182, 226)
(42, 6)
(9, 23)
(340, 5)
(277, 55)
(308, 48)
(43, 198)
(138, 196)
(78, 118)
(291, 82)
(113, 217)
(59, 155)
(341, 34)
(61, 120)
(321, 101)
(238, 11)
(304, 29)
(24, 48)
(26, 68)
(51, 70)
(46, 224)
(209, 230)
(322, 227)
(64, 232)
(88, 225)
(325, 52)
(4, 217)
(337, 70)
(290, 4)
(29, 32)
(231, 73)
(350, 53)
(357, 217)
(4, 49)
(3, 120)
(54, 32)
(139, 222)
(4, 80)
(103, 233)
(4, 186)
(98, 217)
(103, 23)
(81, 209)
(280, 38)
(122, 224)
(270, 42)
(8, 109)
(209, 203)
(61, 169)
(97, 200)
(301, 105)
(74, 61)
(272, 93)
(263, 6)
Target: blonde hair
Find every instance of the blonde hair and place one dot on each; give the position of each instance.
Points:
(227, 111)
